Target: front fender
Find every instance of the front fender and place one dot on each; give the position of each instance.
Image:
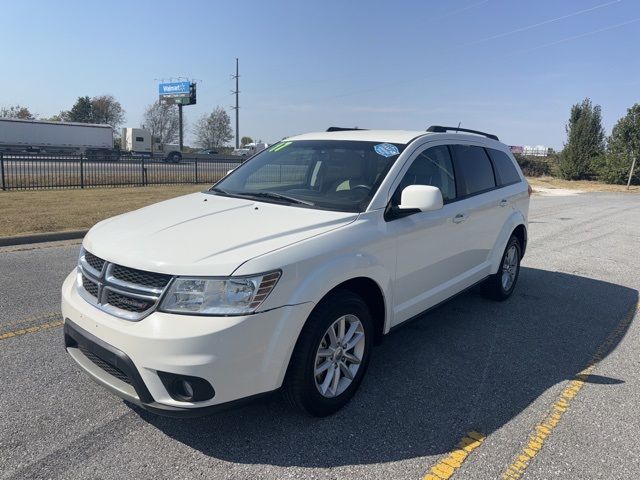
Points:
(314, 284)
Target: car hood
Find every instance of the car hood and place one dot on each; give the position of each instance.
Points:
(204, 234)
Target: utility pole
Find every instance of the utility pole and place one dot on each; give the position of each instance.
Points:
(180, 121)
(237, 107)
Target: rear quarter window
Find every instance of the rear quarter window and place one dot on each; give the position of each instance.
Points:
(473, 170)
(506, 172)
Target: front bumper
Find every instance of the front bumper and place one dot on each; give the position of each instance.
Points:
(241, 357)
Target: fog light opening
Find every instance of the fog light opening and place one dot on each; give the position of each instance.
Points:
(184, 389)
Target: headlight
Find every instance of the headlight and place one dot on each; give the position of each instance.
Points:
(218, 296)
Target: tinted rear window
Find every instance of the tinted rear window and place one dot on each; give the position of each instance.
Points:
(473, 169)
(505, 170)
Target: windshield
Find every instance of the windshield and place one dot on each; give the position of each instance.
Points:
(326, 174)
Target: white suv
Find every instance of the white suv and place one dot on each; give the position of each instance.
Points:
(287, 271)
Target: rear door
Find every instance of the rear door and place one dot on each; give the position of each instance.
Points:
(480, 208)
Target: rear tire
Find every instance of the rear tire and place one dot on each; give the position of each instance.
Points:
(174, 157)
(317, 380)
(501, 285)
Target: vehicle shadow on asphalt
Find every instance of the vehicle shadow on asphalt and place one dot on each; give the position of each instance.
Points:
(472, 364)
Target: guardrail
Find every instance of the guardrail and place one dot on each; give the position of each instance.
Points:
(36, 172)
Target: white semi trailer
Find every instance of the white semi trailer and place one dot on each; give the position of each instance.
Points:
(93, 140)
(141, 141)
(38, 136)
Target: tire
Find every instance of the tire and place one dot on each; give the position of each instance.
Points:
(302, 388)
(174, 157)
(501, 285)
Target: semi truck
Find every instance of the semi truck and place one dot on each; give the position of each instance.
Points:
(141, 141)
(249, 149)
(38, 136)
(93, 140)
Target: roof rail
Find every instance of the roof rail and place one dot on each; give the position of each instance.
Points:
(343, 129)
(440, 129)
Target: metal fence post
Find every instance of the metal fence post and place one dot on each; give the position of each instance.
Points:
(4, 187)
(143, 171)
(82, 170)
(196, 170)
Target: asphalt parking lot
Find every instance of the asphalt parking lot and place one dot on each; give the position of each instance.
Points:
(548, 380)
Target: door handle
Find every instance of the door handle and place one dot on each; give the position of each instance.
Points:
(504, 203)
(459, 218)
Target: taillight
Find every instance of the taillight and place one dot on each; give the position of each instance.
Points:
(529, 189)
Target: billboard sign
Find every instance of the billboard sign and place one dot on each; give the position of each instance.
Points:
(174, 89)
(177, 93)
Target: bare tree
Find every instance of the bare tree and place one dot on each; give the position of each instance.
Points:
(16, 111)
(213, 130)
(162, 121)
(106, 109)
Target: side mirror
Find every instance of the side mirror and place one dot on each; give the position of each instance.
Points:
(421, 197)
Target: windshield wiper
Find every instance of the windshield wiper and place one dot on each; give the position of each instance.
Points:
(219, 190)
(277, 196)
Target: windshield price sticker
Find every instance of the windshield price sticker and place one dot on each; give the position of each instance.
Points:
(386, 149)
(280, 146)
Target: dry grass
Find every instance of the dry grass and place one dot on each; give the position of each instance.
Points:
(584, 185)
(40, 211)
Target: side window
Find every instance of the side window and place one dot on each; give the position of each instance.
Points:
(505, 170)
(473, 169)
(432, 167)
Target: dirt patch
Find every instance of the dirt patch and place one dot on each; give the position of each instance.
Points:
(557, 186)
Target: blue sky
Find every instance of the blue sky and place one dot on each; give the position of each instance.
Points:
(511, 67)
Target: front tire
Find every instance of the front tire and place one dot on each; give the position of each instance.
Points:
(501, 285)
(331, 356)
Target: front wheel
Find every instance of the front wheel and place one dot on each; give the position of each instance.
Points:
(501, 285)
(331, 355)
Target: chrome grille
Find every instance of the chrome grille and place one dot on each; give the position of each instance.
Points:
(90, 286)
(127, 303)
(95, 262)
(121, 291)
(139, 277)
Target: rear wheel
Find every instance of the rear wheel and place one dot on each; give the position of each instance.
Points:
(331, 355)
(501, 285)
(174, 157)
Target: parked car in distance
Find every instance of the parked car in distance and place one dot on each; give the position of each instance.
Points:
(285, 273)
(208, 152)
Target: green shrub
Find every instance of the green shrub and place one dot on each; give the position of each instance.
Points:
(585, 141)
(624, 142)
(534, 166)
(614, 168)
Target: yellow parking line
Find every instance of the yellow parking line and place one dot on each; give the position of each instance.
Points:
(448, 465)
(34, 329)
(561, 404)
(33, 318)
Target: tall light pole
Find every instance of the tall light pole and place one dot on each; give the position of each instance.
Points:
(237, 107)
(180, 120)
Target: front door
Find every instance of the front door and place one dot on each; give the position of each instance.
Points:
(430, 246)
